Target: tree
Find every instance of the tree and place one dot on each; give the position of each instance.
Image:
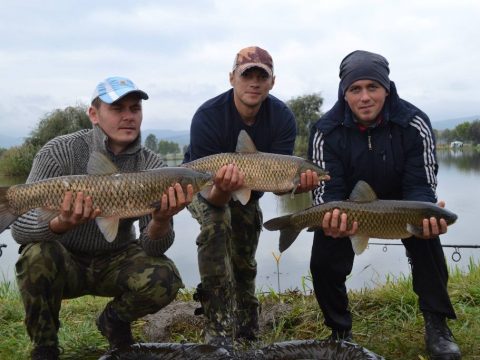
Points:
(168, 147)
(475, 132)
(307, 110)
(151, 142)
(59, 122)
(18, 160)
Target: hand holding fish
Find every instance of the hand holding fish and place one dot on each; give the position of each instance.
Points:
(171, 203)
(432, 227)
(309, 180)
(73, 212)
(332, 227)
(228, 179)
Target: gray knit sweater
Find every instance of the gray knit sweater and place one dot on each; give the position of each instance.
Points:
(68, 155)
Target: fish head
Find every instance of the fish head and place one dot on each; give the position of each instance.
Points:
(438, 212)
(449, 216)
(308, 165)
(198, 179)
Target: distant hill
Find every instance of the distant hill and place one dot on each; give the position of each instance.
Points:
(181, 137)
(452, 123)
(9, 141)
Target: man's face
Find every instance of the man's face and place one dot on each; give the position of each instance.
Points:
(251, 87)
(120, 120)
(366, 99)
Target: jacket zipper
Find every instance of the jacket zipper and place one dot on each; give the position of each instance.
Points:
(369, 139)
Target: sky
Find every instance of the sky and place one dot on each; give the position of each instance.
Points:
(54, 52)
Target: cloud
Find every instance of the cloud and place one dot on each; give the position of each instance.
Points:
(54, 52)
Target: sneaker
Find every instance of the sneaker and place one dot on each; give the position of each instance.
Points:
(117, 332)
(45, 353)
(439, 341)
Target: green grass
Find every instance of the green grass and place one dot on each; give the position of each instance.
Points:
(386, 320)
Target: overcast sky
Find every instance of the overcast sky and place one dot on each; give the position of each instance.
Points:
(53, 53)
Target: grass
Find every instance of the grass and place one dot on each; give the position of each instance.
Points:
(386, 320)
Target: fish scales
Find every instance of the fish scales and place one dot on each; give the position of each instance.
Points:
(263, 171)
(385, 219)
(122, 195)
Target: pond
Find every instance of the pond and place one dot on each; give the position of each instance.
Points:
(458, 178)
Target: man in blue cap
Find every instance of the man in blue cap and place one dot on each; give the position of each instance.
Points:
(68, 256)
(371, 134)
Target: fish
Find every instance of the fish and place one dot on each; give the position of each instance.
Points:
(266, 172)
(117, 195)
(383, 219)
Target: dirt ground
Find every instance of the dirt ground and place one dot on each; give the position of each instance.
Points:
(180, 314)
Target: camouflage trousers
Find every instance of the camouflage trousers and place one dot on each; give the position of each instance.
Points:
(227, 244)
(47, 273)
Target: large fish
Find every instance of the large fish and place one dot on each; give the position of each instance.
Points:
(263, 171)
(117, 195)
(384, 219)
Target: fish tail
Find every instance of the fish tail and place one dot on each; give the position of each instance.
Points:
(7, 216)
(288, 232)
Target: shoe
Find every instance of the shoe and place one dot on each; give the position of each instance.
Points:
(439, 341)
(341, 335)
(117, 332)
(45, 353)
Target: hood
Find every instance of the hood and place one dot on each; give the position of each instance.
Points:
(395, 110)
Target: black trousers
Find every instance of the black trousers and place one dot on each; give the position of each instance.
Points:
(332, 261)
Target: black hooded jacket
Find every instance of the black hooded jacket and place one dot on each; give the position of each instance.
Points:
(396, 157)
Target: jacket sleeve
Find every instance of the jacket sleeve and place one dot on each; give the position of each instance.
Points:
(420, 166)
(159, 246)
(284, 142)
(322, 153)
(205, 137)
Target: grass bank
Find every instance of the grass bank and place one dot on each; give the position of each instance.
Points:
(386, 320)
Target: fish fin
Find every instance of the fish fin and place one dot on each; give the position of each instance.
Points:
(100, 164)
(45, 215)
(245, 143)
(242, 195)
(108, 226)
(313, 228)
(415, 230)
(362, 192)
(359, 243)
(278, 223)
(288, 233)
(6, 213)
(287, 237)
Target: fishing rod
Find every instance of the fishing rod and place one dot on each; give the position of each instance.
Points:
(456, 256)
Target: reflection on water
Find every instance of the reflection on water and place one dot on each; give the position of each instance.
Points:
(370, 268)
(465, 160)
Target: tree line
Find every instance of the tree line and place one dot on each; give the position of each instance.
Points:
(17, 160)
(465, 132)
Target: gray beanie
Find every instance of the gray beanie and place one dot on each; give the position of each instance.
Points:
(364, 65)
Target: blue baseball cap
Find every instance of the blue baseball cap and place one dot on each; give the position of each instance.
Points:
(114, 88)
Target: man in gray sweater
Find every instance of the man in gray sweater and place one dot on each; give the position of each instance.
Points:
(68, 256)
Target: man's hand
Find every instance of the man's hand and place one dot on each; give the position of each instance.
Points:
(172, 202)
(309, 181)
(432, 227)
(73, 214)
(228, 179)
(334, 224)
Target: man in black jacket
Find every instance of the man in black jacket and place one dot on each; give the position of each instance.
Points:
(371, 134)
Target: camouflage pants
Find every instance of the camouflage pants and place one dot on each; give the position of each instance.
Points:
(47, 273)
(227, 244)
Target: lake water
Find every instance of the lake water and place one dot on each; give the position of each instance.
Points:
(459, 179)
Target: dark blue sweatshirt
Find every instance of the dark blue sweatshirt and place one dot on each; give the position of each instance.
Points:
(217, 123)
(396, 157)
